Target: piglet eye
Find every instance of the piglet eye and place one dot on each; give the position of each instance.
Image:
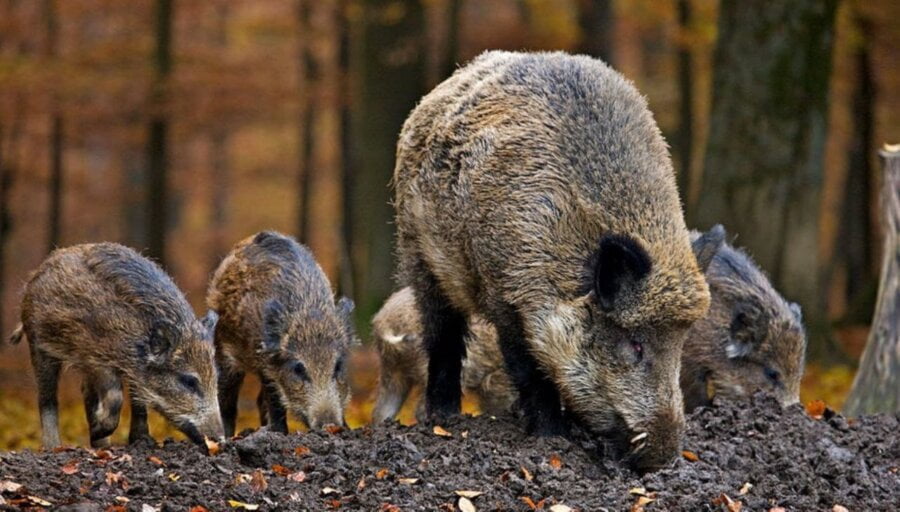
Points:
(190, 383)
(300, 371)
(773, 375)
(339, 367)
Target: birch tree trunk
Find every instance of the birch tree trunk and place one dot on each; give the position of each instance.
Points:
(876, 387)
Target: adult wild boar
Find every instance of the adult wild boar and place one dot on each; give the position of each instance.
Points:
(751, 340)
(115, 316)
(537, 190)
(279, 319)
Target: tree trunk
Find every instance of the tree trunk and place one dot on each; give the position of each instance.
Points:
(764, 158)
(388, 67)
(221, 171)
(157, 142)
(597, 32)
(56, 134)
(685, 138)
(6, 182)
(876, 387)
(323, 201)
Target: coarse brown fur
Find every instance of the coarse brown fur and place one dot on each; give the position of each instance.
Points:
(736, 287)
(279, 319)
(536, 189)
(115, 316)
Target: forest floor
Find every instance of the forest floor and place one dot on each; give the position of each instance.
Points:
(741, 456)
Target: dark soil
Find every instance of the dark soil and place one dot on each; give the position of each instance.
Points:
(790, 459)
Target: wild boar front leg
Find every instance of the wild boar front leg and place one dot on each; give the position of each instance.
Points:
(275, 411)
(139, 431)
(46, 373)
(538, 397)
(230, 380)
(102, 392)
(444, 329)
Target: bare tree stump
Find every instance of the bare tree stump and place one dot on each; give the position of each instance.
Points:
(876, 387)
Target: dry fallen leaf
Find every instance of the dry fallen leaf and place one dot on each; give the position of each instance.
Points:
(361, 484)
(745, 488)
(555, 461)
(839, 508)
(465, 504)
(39, 501)
(156, 460)
(113, 478)
(301, 450)
(281, 470)
(559, 507)
(689, 455)
(149, 508)
(469, 494)
(407, 481)
(642, 501)
(240, 504)
(777, 509)
(334, 429)
(198, 508)
(528, 501)
(638, 491)
(815, 408)
(71, 467)
(381, 473)
(465, 434)
(440, 431)
(120, 508)
(241, 478)
(730, 504)
(299, 476)
(103, 454)
(333, 503)
(388, 507)
(9, 486)
(329, 490)
(258, 481)
(212, 447)
(527, 474)
(174, 477)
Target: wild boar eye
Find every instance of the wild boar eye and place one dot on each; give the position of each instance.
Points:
(773, 375)
(638, 348)
(190, 383)
(300, 371)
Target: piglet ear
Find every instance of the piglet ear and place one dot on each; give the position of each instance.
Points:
(747, 331)
(345, 307)
(275, 319)
(209, 324)
(618, 265)
(157, 345)
(707, 245)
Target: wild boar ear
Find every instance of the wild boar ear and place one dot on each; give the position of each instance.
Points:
(275, 319)
(209, 323)
(746, 332)
(618, 263)
(797, 311)
(707, 245)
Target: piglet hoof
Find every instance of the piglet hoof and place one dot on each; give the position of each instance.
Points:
(141, 441)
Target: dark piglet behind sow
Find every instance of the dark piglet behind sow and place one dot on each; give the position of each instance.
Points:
(537, 191)
(116, 317)
(279, 320)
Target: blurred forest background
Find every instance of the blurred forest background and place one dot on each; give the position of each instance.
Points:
(180, 127)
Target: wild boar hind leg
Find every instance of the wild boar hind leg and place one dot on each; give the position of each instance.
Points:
(538, 396)
(230, 381)
(444, 329)
(46, 373)
(139, 431)
(102, 391)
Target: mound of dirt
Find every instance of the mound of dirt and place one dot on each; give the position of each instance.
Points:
(748, 456)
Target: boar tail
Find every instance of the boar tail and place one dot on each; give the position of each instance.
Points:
(17, 336)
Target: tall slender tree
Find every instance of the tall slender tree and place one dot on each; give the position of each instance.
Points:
(684, 141)
(218, 138)
(388, 67)
(157, 139)
(56, 131)
(596, 20)
(764, 158)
